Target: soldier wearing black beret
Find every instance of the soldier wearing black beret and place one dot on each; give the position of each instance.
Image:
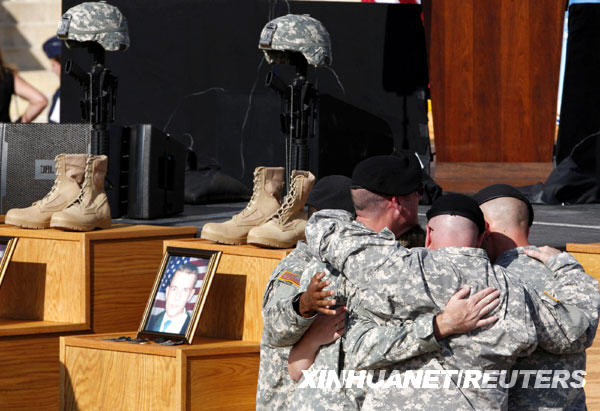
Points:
(386, 191)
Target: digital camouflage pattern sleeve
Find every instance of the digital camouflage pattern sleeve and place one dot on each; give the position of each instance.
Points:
(282, 327)
(574, 286)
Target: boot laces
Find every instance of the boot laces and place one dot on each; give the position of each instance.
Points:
(48, 196)
(288, 201)
(87, 182)
(255, 192)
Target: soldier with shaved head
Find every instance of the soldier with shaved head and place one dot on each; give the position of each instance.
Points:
(509, 216)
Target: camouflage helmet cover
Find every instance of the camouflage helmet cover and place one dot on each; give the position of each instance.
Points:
(95, 21)
(297, 33)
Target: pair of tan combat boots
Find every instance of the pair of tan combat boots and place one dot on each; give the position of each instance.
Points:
(267, 221)
(77, 200)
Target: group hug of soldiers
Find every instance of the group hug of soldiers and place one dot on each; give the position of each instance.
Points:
(371, 290)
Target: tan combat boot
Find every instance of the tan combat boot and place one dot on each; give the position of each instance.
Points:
(286, 227)
(90, 209)
(265, 200)
(70, 169)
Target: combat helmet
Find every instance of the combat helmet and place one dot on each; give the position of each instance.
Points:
(296, 33)
(98, 22)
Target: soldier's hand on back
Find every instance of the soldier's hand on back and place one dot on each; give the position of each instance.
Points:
(463, 314)
(314, 299)
(542, 253)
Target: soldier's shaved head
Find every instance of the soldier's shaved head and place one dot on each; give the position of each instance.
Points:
(506, 214)
(452, 231)
(508, 221)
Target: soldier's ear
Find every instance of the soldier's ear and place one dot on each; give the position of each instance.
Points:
(481, 237)
(428, 240)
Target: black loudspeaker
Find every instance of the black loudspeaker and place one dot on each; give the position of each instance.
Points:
(156, 173)
(345, 135)
(117, 176)
(27, 154)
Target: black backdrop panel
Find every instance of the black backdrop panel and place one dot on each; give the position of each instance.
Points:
(209, 48)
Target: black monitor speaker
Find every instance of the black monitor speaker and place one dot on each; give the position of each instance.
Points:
(345, 135)
(27, 152)
(156, 173)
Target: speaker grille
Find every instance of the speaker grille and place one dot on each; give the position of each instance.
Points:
(27, 162)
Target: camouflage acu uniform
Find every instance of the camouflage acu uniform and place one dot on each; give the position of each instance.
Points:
(418, 336)
(282, 327)
(580, 297)
(414, 284)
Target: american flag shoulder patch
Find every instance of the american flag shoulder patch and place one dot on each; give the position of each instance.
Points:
(290, 277)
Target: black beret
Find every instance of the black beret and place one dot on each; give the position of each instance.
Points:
(458, 204)
(395, 175)
(502, 190)
(331, 192)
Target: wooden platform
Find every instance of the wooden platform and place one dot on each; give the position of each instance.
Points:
(219, 370)
(209, 374)
(472, 177)
(61, 283)
(589, 256)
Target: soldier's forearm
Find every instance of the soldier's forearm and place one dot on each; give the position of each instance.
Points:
(282, 326)
(372, 346)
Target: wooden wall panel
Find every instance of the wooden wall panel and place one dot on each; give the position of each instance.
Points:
(494, 77)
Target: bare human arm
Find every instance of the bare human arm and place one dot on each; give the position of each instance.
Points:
(324, 330)
(37, 101)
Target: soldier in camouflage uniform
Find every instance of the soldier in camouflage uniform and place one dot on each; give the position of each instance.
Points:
(283, 324)
(96, 22)
(403, 285)
(398, 177)
(509, 216)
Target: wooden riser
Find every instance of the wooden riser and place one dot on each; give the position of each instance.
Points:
(589, 257)
(220, 367)
(209, 374)
(65, 283)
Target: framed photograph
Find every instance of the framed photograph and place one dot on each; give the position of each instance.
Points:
(179, 294)
(7, 247)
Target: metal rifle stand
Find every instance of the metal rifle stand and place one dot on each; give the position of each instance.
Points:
(99, 96)
(299, 110)
(98, 106)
